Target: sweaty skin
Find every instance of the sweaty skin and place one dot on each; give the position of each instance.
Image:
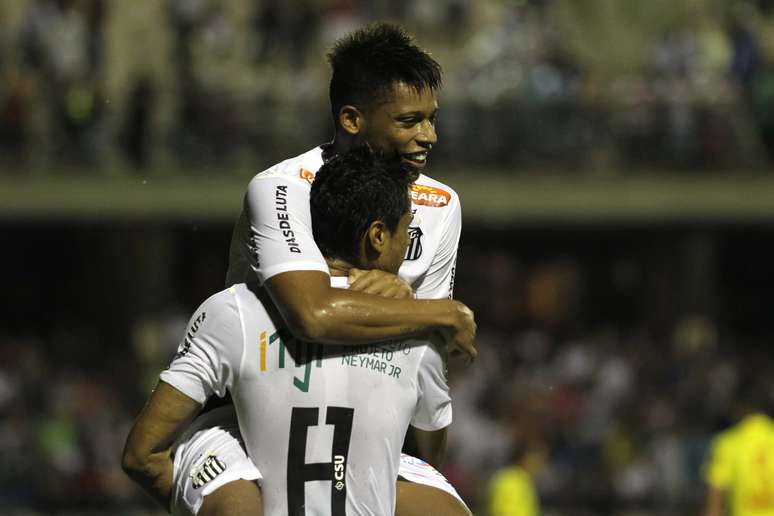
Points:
(324, 314)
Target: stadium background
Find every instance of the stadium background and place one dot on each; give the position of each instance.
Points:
(614, 162)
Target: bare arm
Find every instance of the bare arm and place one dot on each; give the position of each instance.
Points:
(147, 456)
(315, 311)
(276, 209)
(431, 446)
(716, 502)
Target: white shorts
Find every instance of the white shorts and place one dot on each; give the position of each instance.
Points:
(208, 455)
(420, 472)
(211, 453)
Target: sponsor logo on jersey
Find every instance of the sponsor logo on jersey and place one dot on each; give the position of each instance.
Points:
(306, 175)
(281, 206)
(414, 250)
(207, 470)
(339, 471)
(429, 196)
(186, 346)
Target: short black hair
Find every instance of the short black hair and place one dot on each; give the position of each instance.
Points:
(367, 64)
(351, 191)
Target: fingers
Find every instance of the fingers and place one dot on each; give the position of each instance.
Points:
(469, 352)
(379, 283)
(397, 291)
(465, 337)
(360, 280)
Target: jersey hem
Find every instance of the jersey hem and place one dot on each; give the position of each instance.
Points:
(441, 423)
(184, 387)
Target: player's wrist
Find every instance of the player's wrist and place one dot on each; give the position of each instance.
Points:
(447, 318)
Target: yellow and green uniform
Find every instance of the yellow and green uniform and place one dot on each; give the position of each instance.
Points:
(512, 493)
(741, 462)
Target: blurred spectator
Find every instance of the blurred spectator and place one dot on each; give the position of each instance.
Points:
(136, 129)
(61, 38)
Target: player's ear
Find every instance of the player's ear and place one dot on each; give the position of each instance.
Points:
(377, 237)
(351, 119)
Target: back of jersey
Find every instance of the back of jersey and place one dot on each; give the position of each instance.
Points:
(325, 424)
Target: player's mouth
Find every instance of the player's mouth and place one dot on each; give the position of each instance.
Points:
(417, 160)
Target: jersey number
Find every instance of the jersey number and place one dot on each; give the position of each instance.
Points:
(300, 472)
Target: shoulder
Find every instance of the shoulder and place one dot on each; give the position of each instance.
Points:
(725, 442)
(230, 312)
(221, 305)
(302, 167)
(508, 475)
(427, 191)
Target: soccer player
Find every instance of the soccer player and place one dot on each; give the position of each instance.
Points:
(326, 423)
(740, 468)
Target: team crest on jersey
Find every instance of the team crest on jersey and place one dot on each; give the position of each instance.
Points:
(429, 196)
(307, 175)
(207, 470)
(414, 250)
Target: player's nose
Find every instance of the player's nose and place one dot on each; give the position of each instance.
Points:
(427, 137)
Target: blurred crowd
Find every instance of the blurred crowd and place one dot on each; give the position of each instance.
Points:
(179, 85)
(596, 370)
(607, 401)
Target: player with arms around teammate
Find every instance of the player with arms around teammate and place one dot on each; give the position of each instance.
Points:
(382, 92)
(324, 424)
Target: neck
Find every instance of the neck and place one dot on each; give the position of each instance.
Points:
(341, 143)
(338, 267)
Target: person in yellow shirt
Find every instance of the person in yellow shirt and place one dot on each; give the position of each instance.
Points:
(512, 489)
(740, 467)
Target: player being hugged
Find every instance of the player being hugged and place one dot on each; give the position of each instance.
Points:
(325, 424)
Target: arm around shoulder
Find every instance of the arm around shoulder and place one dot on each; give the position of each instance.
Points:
(315, 311)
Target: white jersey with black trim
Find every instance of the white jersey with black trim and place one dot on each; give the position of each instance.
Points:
(324, 424)
(274, 230)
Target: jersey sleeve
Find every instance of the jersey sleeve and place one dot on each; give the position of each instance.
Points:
(433, 410)
(719, 466)
(209, 355)
(438, 283)
(279, 227)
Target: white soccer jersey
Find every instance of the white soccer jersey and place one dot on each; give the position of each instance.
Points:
(274, 230)
(324, 424)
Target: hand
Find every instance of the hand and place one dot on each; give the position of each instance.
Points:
(379, 283)
(462, 334)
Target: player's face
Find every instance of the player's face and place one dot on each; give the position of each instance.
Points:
(395, 250)
(404, 124)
